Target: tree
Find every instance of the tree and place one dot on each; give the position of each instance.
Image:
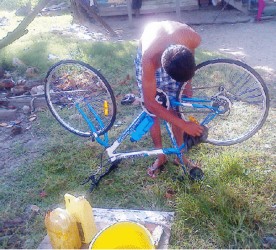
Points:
(82, 12)
(21, 29)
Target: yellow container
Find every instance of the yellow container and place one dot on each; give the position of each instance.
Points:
(123, 235)
(82, 211)
(62, 229)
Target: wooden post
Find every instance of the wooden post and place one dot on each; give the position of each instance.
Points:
(129, 13)
(177, 8)
(92, 13)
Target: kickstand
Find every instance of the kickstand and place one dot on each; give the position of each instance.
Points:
(94, 182)
(103, 170)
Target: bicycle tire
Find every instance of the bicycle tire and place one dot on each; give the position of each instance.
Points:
(71, 82)
(239, 90)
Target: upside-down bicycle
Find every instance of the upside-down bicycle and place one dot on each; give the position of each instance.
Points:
(229, 98)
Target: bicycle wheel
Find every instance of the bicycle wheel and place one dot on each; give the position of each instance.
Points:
(237, 91)
(71, 84)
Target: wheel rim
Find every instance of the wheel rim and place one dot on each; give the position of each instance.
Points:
(70, 83)
(240, 94)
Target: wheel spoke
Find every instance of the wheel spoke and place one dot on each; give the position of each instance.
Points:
(236, 89)
(69, 83)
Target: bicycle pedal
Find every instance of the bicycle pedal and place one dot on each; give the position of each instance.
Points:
(196, 174)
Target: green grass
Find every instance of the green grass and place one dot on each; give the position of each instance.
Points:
(229, 209)
(232, 205)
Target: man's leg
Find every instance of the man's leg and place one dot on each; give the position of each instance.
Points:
(179, 137)
(155, 133)
(178, 133)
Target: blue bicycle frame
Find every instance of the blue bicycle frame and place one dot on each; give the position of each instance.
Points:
(198, 104)
(177, 150)
(111, 148)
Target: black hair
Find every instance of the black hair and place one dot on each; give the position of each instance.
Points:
(179, 62)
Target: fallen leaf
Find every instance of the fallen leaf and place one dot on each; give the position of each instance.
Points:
(17, 122)
(32, 117)
(108, 181)
(170, 193)
(28, 127)
(3, 124)
(42, 194)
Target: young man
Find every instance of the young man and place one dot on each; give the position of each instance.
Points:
(165, 58)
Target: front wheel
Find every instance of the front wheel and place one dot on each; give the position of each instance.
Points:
(239, 93)
(72, 87)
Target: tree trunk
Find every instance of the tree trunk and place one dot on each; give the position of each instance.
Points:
(21, 30)
(82, 12)
(78, 14)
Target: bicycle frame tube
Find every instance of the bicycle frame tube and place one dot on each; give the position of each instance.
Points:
(117, 156)
(177, 150)
(168, 151)
(188, 102)
(103, 142)
(198, 104)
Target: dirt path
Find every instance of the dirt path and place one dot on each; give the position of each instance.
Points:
(230, 32)
(249, 42)
(252, 43)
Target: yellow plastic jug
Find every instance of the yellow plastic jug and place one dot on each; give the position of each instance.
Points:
(82, 211)
(123, 235)
(62, 229)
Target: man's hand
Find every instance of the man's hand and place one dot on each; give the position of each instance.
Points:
(193, 129)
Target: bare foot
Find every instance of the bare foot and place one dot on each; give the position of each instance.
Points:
(187, 163)
(157, 166)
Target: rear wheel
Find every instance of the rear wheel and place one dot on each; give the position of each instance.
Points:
(72, 85)
(240, 94)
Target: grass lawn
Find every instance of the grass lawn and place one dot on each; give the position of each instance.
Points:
(231, 208)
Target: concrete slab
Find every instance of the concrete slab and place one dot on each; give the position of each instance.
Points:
(152, 220)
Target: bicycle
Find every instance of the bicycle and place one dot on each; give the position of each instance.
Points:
(229, 98)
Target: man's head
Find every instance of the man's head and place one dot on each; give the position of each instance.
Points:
(179, 62)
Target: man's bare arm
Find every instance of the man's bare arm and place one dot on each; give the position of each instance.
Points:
(149, 92)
